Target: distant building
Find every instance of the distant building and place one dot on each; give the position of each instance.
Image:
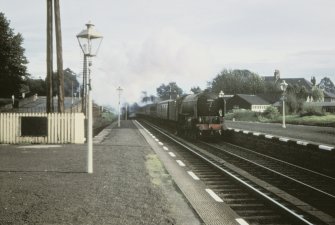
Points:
(328, 97)
(248, 102)
(325, 106)
(300, 82)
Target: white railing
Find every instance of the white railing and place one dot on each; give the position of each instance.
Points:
(61, 128)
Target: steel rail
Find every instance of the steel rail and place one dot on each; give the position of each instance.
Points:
(273, 171)
(279, 160)
(286, 209)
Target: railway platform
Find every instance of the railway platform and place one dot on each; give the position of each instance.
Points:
(47, 184)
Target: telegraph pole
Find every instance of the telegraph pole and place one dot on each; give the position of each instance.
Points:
(49, 57)
(59, 48)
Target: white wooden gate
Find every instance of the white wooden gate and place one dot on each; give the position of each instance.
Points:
(61, 128)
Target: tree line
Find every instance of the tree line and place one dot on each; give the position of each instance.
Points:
(39, 86)
(237, 81)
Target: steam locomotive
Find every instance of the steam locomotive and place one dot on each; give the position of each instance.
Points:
(194, 116)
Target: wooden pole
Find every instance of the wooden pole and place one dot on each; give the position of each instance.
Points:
(49, 57)
(59, 48)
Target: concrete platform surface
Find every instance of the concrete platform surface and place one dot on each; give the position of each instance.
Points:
(48, 184)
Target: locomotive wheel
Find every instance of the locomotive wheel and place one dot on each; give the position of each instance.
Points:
(194, 135)
(199, 135)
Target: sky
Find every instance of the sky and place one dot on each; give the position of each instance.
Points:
(150, 42)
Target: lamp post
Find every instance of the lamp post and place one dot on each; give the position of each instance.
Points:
(283, 87)
(170, 91)
(221, 95)
(119, 89)
(89, 41)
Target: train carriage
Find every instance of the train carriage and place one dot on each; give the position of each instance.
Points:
(163, 110)
(167, 110)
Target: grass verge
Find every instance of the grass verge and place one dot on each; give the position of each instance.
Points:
(327, 120)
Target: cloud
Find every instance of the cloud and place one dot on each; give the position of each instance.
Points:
(164, 56)
(148, 42)
(319, 63)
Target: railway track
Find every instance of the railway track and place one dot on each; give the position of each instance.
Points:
(316, 189)
(257, 196)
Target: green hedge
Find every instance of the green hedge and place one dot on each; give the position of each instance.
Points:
(243, 115)
(273, 116)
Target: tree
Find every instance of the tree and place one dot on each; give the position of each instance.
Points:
(293, 104)
(296, 96)
(134, 107)
(152, 98)
(317, 94)
(313, 81)
(39, 86)
(36, 86)
(238, 82)
(13, 70)
(71, 84)
(271, 87)
(271, 112)
(169, 91)
(196, 90)
(145, 97)
(327, 85)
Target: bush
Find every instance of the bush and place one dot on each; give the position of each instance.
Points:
(245, 115)
(310, 110)
(294, 104)
(229, 116)
(271, 113)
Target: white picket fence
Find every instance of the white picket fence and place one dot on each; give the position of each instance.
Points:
(61, 128)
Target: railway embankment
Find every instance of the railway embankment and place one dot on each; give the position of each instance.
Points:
(312, 155)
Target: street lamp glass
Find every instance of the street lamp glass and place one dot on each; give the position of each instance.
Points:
(89, 40)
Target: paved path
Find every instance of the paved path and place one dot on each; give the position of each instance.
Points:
(320, 135)
(44, 185)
